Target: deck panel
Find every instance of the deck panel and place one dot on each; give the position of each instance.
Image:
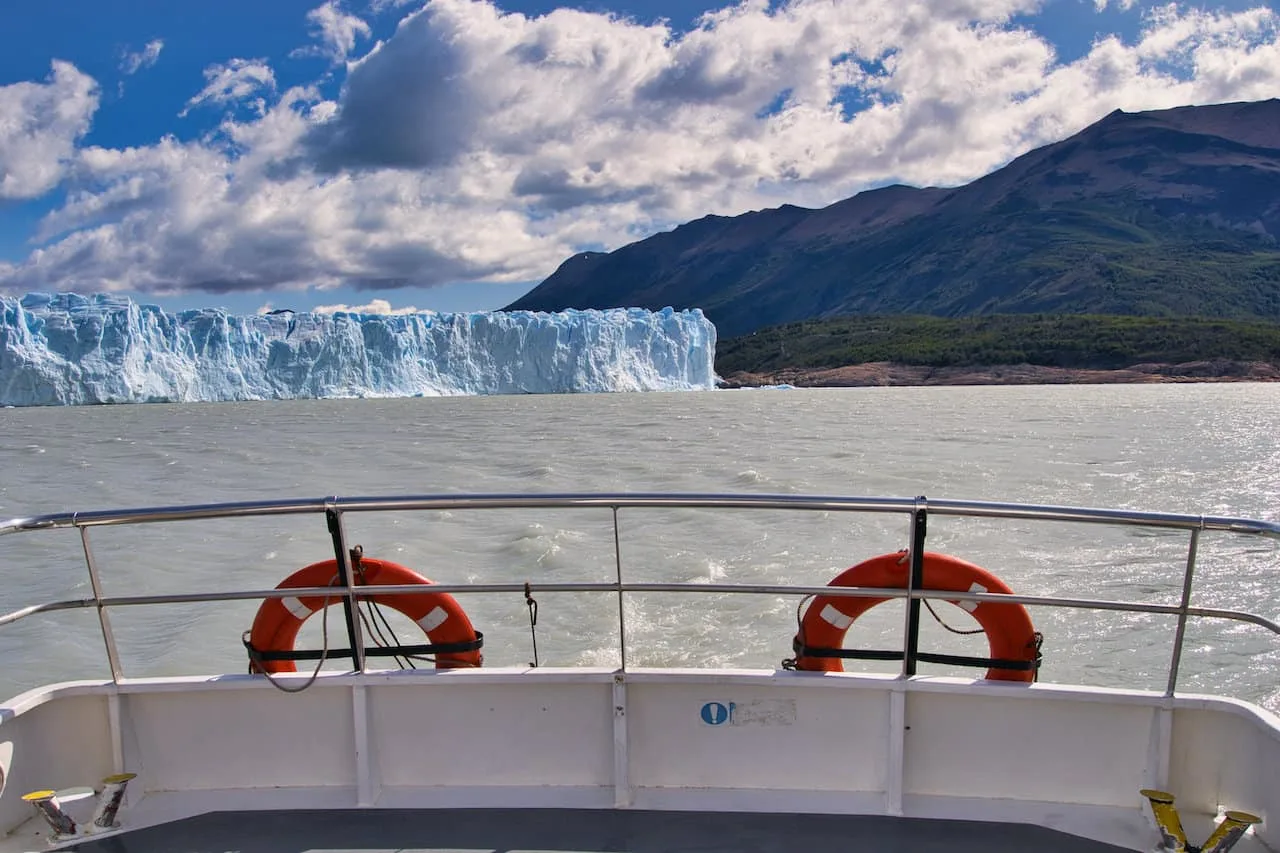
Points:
(581, 831)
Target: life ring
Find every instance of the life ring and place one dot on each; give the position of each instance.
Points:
(276, 625)
(1011, 636)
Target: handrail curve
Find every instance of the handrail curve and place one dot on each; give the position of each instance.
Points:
(333, 507)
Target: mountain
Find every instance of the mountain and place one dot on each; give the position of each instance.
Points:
(1167, 213)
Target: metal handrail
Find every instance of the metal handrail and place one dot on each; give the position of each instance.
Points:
(918, 508)
(586, 587)
(973, 509)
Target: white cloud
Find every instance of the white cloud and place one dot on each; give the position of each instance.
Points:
(39, 126)
(374, 306)
(233, 82)
(479, 145)
(336, 31)
(132, 63)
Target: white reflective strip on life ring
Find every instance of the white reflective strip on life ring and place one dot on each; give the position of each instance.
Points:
(835, 618)
(296, 607)
(434, 619)
(972, 605)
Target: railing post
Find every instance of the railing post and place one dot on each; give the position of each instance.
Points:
(108, 636)
(349, 603)
(1182, 612)
(915, 581)
(622, 618)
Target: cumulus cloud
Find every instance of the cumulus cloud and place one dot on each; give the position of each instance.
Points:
(132, 63)
(426, 127)
(374, 306)
(474, 144)
(39, 126)
(234, 82)
(335, 30)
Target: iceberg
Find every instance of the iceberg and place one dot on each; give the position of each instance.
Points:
(68, 349)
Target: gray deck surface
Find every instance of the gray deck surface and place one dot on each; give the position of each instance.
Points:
(580, 831)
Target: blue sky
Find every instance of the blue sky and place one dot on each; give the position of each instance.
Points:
(448, 155)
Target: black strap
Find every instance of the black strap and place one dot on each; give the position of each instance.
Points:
(261, 656)
(803, 651)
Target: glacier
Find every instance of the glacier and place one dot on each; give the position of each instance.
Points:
(69, 349)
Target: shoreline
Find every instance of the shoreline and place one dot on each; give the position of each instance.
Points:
(876, 374)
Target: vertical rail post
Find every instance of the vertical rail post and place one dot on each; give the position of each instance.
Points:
(622, 618)
(349, 603)
(621, 754)
(108, 636)
(915, 581)
(1185, 602)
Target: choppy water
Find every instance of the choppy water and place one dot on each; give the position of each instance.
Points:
(1178, 448)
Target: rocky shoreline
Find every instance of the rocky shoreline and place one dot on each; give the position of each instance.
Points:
(888, 374)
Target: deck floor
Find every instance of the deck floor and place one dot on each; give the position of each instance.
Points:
(579, 831)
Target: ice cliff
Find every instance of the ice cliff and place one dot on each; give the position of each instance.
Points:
(68, 350)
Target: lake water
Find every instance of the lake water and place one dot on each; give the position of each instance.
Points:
(1179, 448)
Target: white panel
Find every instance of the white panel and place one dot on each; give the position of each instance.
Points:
(791, 738)
(1224, 759)
(455, 733)
(1024, 748)
(63, 743)
(256, 738)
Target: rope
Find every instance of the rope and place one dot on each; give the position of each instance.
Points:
(379, 638)
(324, 650)
(533, 622)
(324, 654)
(799, 643)
(938, 618)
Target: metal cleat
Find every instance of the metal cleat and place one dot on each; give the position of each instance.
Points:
(1174, 840)
(1172, 837)
(104, 816)
(1234, 825)
(46, 803)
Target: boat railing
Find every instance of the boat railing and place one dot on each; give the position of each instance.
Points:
(918, 510)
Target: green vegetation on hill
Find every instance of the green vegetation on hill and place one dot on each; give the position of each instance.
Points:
(1087, 341)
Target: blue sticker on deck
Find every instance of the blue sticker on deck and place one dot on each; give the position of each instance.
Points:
(715, 713)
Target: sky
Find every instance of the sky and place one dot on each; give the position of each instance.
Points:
(393, 155)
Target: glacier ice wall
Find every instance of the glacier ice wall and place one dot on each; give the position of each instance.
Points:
(68, 349)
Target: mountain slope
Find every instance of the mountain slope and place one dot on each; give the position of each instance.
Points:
(1162, 213)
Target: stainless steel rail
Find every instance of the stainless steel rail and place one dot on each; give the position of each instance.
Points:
(917, 509)
(975, 509)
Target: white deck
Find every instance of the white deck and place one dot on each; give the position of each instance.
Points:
(1070, 759)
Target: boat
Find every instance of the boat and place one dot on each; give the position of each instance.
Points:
(288, 756)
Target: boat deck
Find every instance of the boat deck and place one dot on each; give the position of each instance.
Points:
(580, 831)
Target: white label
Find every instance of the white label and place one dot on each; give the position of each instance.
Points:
(971, 605)
(296, 607)
(835, 618)
(763, 712)
(434, 619)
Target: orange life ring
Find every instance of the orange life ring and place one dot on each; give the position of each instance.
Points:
(1010, 634)
(275, 627)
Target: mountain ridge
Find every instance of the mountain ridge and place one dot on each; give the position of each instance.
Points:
(1163, 213)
